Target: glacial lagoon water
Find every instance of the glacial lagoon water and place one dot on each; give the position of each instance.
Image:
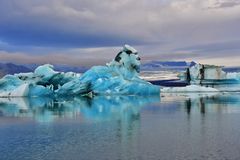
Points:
(173, 126)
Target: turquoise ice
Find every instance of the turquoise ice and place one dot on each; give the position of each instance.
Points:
(119, 77)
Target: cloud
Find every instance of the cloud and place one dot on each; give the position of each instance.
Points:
(225, 3)
(70, 56)
(162, 29)
(60, 23)
(81, 23)
(217, 47)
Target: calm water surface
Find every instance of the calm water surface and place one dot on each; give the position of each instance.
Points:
(169, 127)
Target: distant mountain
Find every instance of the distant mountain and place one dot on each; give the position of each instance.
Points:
(10, 68)
(231, 69)
(62, 68)
(166, 65)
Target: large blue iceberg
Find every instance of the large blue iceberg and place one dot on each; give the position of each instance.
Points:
(119, 77)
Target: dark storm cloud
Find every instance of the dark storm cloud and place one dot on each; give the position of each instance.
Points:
(58, 23)
(49, 37)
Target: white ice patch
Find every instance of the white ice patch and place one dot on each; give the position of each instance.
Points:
(21, 91)
(233, 75)
(190, 88)
(127, 47)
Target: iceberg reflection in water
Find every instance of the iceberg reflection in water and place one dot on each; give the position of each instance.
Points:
(206, 102)
(96, 108)
(179, 126)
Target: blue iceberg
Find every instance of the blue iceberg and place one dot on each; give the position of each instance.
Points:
(119, 77)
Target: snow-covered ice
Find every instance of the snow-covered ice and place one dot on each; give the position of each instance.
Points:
(190, 88)
(201, 73)
(212, 76)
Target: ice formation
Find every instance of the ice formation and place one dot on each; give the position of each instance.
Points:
(119, 77)
(190, 88)
(205, 74)
(212, 76)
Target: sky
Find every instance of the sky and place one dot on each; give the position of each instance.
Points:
(91, 32)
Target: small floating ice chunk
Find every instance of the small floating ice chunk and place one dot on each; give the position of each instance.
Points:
(190, 88)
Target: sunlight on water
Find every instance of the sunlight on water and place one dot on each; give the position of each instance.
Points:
(173, 126)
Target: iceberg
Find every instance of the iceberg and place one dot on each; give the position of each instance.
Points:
(119, 77)
(190, 88)
(205, 74)
(212, 76)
